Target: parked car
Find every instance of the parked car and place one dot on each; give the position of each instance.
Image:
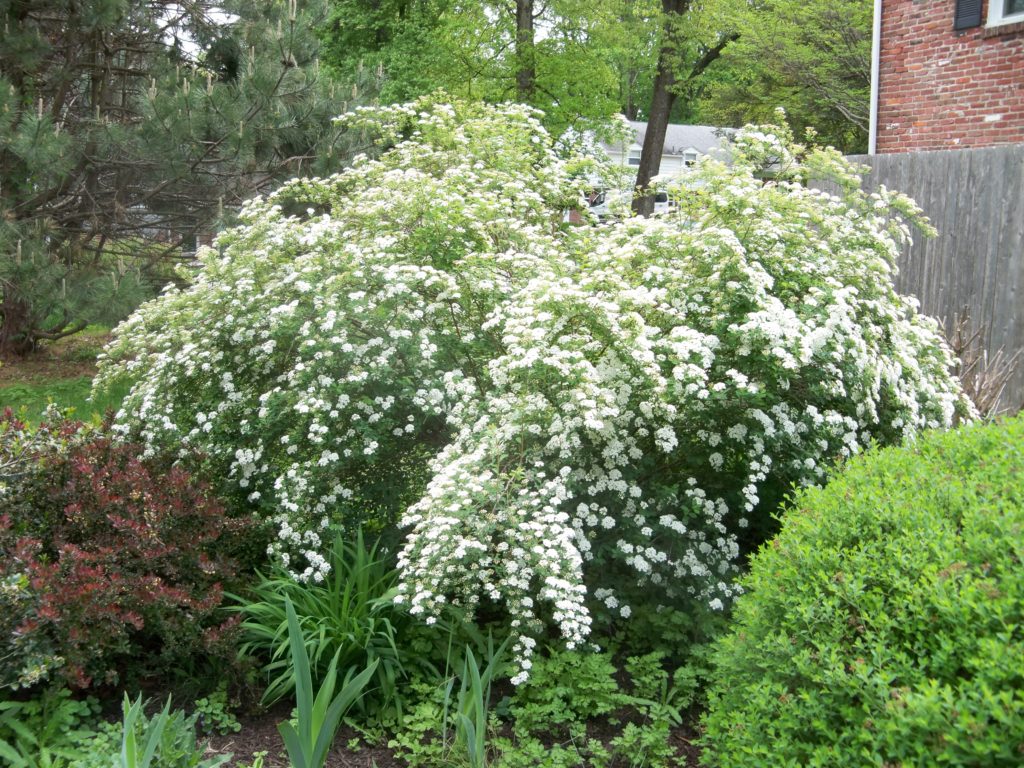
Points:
(613, 204)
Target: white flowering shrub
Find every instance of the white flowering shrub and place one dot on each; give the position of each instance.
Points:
(564, 419)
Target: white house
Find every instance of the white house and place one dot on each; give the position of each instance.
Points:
(683, 145)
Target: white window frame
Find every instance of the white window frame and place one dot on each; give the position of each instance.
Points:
(690, 158)
(996, 17)
(633, 158)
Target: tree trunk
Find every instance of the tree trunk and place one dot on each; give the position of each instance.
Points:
(15, 326)
(526, 71)
(632, 108)
(663, 98)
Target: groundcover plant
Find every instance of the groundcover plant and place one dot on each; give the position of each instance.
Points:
(563, 420)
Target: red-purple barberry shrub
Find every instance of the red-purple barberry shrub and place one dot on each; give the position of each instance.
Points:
(118, 561)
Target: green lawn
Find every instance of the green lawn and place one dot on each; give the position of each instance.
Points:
(59, 373)
(30, 399)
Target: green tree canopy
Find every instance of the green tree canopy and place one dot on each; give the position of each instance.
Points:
(812, 58)
(576, 60)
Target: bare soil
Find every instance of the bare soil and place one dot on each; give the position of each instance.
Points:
(260, 734)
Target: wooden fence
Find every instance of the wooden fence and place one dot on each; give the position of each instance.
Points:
(975, 199)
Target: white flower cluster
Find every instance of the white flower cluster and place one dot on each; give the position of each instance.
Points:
(562, 417)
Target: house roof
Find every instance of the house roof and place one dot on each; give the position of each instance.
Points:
(679, 138)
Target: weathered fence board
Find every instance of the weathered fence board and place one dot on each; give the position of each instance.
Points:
(975, 199)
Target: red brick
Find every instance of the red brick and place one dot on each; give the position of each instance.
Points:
(941, 106)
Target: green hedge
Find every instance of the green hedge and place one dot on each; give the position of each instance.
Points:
(885, 623)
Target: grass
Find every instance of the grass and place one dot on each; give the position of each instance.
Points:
(29, 400)
(60, 373)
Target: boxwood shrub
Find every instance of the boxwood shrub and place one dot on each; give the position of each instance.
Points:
(885, 623)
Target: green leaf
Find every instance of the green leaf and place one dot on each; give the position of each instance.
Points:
(294, 745)
(300, 670)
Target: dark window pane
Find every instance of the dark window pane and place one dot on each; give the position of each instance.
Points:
(1013, 6)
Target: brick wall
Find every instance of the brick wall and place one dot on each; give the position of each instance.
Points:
(941, 89)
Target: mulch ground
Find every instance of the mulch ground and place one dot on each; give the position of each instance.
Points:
(259, 734)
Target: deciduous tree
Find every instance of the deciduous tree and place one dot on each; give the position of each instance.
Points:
(564, 56)
(683, 57)
(811, 57)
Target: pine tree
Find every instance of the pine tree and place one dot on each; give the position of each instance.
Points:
(127, 128)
